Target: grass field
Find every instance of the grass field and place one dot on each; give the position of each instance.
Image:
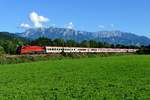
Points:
(101, 78)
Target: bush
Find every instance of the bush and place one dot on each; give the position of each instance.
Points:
(32, 58)
(143, 51)
(2, 51)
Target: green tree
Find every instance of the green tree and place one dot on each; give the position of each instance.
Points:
(42, 41)
(71, 43)
(107, 45)
(9, 47)
(2, 51)
(100, 45)
(58, 42)
(85, 43)
(93, 43)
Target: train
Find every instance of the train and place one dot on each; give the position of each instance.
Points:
(55, 49)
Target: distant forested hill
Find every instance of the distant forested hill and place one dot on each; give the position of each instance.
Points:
(8, 36)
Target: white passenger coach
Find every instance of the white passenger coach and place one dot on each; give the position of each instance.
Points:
(50, 49)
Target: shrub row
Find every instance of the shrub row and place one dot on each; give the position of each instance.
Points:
(33, 58)
(143, 51)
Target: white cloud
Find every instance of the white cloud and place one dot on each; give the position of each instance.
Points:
(112, 25)
(69, 25)
(25, 26)
(53, 25)
(101, 26)
(37, 20)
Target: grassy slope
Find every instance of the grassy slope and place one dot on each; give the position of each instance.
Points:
(125, 77)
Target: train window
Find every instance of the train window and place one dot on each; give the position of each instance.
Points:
(82, 49)
(93, 49)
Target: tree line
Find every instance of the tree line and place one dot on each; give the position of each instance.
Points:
(9, 46)
(42, 41)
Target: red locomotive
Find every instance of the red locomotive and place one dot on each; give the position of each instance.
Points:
(31, 49)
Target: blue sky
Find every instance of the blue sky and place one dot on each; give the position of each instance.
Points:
(124, 15)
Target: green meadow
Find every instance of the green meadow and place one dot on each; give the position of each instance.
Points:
(99, 78)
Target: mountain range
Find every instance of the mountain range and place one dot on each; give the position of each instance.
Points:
(113, 37)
